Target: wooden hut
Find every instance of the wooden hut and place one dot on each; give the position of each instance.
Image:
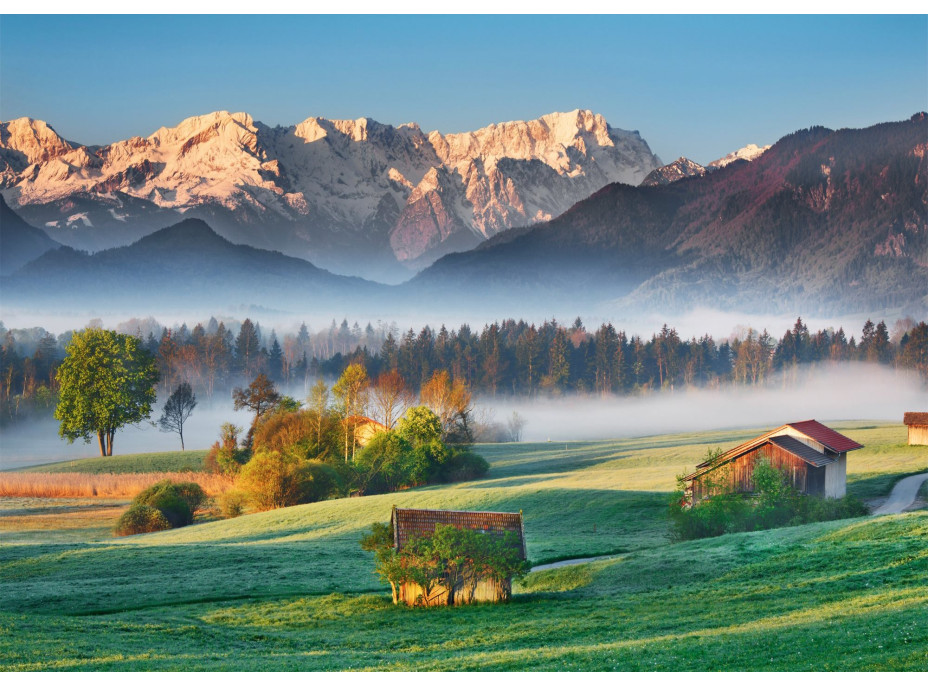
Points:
(918, 427)
(409, 522)
(812, 455)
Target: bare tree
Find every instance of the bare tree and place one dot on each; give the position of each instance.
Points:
(391, 398)
(515, 424)
(177, 410)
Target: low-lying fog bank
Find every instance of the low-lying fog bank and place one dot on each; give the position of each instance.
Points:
(840, 392)
(845, 391)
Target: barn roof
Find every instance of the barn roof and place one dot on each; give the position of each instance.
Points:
(829, 438)
(915, 419)
(802, 451)
(406, 522)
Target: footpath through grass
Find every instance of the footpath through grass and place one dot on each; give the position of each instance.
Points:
(291, 589)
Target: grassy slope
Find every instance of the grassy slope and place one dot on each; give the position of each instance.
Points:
(290, 589)
(188, 461)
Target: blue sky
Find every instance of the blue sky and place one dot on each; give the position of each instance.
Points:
(695, 86)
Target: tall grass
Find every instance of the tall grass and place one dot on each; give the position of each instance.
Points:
(76, 485)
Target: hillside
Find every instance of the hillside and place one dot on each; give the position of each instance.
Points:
(19, 242)
(823, 222)
(291, 589)
(187, 263)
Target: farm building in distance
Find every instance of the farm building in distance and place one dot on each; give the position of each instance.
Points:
(918, 427)
(812, 455)
(409, 522)
(365, 429)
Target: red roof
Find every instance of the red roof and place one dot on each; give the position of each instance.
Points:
(827, 437)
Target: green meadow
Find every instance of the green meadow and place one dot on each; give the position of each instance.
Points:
(290, 589)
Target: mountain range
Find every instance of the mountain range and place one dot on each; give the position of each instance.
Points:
(823, 222)
(355, 196)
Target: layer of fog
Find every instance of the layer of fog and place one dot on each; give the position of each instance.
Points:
(847, 391)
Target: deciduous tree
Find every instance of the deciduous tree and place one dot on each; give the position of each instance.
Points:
(107, 381)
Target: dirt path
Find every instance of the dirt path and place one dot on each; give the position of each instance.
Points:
(569, 563)
(903, 494)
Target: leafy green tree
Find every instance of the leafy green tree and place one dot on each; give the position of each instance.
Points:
(107, 380)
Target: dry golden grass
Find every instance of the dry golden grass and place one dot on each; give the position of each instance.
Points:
(78, 485)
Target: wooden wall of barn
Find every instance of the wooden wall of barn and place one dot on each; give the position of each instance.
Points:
(918, 435)
(484, 591)
(738, 475)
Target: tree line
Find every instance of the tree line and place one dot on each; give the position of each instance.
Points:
(513, 358)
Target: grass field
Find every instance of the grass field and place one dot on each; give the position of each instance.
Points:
(291, 589)
(188, 461)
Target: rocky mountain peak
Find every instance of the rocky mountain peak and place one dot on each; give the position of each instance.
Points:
(344, 179)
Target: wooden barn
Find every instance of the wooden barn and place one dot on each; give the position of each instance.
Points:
(407, 522)
(814, 457)
(918, 427)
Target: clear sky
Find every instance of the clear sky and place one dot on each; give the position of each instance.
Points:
(694, 86)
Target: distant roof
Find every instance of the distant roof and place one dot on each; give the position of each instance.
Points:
(802, 451)
(422, 522)
(829, 438)
(915, 418)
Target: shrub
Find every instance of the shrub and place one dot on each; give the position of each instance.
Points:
(272, 479)
(775, 503)
(225, 456)
(451, 557)
(232, 503)
(141, 519)
(178, 502)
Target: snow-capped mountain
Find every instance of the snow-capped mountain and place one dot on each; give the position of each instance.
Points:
(681, 168)
(343, 193)
(748, 152)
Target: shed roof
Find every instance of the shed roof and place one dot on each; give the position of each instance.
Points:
(406, 522)
(802, 451)
(915, 419)
(829, 438)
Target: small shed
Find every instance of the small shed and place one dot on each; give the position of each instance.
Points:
(409, 522)
(918, 427)
(812, 455)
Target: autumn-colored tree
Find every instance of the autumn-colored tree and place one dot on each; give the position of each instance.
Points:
(390, 398)
(260, 396)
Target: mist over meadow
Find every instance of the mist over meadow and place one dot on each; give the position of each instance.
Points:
(829, 392)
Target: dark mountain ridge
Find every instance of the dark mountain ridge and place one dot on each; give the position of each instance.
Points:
(20, 242)
(187, 264)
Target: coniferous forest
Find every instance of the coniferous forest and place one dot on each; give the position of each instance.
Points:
(508, 358)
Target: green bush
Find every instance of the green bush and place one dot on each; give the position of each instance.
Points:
(451, 557)
(178, 502)
(773, 504)
(141, 519)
